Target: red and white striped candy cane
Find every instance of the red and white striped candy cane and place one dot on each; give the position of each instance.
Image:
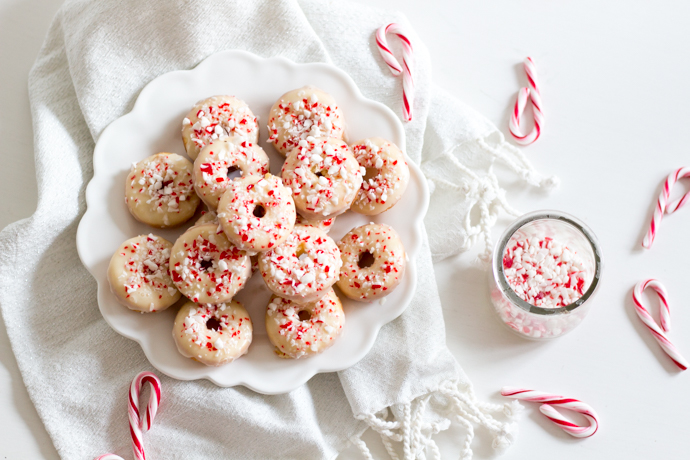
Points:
(140, 423)
(535, 96)
(405, 69)
(659, 332)
(663, 206)
(550, 401)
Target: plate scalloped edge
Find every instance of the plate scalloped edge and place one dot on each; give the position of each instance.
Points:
(88, 220)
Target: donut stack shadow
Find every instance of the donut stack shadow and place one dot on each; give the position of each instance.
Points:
(254, 221)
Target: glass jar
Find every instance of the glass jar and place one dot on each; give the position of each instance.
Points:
(537, 322)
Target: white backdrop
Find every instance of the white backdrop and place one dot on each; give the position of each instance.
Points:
(615, 90)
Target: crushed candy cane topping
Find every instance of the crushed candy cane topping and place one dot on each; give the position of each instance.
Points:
(161, 182)
(227, 325)
(543, 272)
(257, 212)
(206, 267)
(216, 164)
(299, 116)
(374, 262)
(385, 178)
(325, 224)
(213, 334)
(305, 265)
(219, 117)
(323, 175)
(300, 330)
(147, 264)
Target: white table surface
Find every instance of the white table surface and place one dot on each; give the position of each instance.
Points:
(615, 87)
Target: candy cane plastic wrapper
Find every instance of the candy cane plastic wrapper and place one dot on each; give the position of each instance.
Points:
(550, 401)
(140, 423)
(534, 93)
(663, 206)
(659, 332)
(405, 69)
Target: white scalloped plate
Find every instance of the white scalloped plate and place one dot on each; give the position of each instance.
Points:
(153, 126)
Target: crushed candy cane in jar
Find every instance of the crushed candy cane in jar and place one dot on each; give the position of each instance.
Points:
(546, 268)
(544, 272)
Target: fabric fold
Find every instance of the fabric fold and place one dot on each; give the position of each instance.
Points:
(460, 150)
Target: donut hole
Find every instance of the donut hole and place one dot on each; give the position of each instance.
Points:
(301, 251)
(213, 324)
(206, 264)
(234, 172)
(322, 173)
(167, 183)
(304, 315)
(366, 260)
(259, 211)
(370, 173)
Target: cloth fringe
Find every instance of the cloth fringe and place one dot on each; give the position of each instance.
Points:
(485, 193)
(516, 160)
(453, 401)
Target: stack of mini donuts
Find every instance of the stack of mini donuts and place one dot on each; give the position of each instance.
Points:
(257, 221)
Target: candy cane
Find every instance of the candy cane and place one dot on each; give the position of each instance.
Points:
(396, 69)
(140, 423)
(659, 332)
(547, 408)
(535, 96)
(662, 204)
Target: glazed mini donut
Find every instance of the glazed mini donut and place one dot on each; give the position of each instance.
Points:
(373, 262)
(218, 117)
(326, 225)
(304, 267)
(216, 163)
(324, 177)
(138, 274)
(206, 267)
(213, 334)
(159, 190)
(257, 213)
(304, 330)
(386, 176)
(301, 113)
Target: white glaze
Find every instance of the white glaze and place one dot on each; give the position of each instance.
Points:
(159, 190)
(218, 117)
(301, 113)
(138, 274)
(386, 176)
(257, 213)
(212, 166)
(296, 337)
(387, 269)
(324, 177)
(304, 267)
(226, 341)
(206, 267)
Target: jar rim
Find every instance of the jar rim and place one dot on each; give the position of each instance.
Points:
(499, 249)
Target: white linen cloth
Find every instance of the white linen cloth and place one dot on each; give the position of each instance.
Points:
(96, 58)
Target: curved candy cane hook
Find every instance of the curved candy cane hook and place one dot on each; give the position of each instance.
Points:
(534, 94)
(659, 332)
(550, 402)
(406, 69)
(140, 423)
(663, 206)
